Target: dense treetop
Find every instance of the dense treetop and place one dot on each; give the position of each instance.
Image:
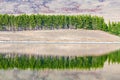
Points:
(51, 22)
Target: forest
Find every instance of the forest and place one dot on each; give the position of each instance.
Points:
(24, 61)
(51, 22)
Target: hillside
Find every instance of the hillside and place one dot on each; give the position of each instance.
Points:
(107, 8)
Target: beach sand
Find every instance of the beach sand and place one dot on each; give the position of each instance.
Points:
(60, 36)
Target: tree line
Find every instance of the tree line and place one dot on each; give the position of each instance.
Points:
(51, 22)
(39, 22)
(21, 61)
(114, 27)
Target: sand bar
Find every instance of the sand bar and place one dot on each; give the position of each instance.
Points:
(51, 36)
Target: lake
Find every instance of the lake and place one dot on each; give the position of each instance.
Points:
(104, 67)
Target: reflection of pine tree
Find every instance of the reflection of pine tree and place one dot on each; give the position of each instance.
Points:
(57, 62)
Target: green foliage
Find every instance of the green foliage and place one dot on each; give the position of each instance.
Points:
(114, 28)
(39, 22)
(9, 61)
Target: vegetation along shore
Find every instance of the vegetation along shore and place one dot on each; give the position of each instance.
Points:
(51, 22)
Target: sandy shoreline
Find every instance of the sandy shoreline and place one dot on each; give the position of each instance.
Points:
(60, 36)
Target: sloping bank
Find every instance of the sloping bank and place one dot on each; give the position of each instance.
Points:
(20, 61)
(51, 22)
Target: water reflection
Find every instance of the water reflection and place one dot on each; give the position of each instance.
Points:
(59, 49)
(109, 72)
(25, 61)
(104, 67)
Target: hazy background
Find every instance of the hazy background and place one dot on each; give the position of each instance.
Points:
(109, 9)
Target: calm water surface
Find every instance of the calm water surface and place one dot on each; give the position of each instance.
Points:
(107, 68)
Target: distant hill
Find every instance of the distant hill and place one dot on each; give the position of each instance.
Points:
(105, 8)
(56, 6)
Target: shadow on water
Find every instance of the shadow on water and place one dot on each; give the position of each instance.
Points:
(23, 61)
